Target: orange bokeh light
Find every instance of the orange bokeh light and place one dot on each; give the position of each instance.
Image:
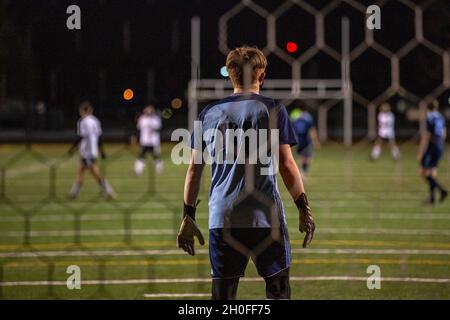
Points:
(128, 94)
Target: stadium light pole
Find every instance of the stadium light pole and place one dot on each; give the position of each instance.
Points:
(345, 74)
(195, 71)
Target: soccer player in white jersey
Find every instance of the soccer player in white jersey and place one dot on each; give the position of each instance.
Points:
(386, 133)
(90, 146)
(149, 125)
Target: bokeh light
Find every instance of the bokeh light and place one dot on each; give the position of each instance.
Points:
(167, 113)
(291, 47)
(176, 103)
(224, 72)
(128, 94)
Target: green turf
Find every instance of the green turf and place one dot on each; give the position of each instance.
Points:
(357, 205)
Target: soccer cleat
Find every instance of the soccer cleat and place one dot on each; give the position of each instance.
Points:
(107, 191)
(139, 166)
(111, 195)
(75, 190)
(375, 154)
(395, 154)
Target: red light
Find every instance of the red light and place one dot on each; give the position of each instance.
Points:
(291, 47)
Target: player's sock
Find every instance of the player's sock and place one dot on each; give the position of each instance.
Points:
(376, 151)
(442, 190)
(108, 191)
(139, 166)
(305, 167)
(444, 194)
(159, 166)
(432, 185)
(224, 289)
(438, 186)
(395, 153)
(75, 190)
(277, 286)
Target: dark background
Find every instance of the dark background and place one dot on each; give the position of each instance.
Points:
(41, 60)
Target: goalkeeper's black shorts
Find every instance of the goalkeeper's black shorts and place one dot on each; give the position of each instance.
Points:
(231, 249)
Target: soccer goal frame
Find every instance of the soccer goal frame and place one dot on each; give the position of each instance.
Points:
(331, 90)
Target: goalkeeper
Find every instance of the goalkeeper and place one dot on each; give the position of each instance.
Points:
(246, 215)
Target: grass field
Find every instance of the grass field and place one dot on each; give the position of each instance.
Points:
(366, 214)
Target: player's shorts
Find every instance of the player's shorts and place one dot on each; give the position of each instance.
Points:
(386, 138)
(431, 157)
(305, 151)
(231, 249)
(88, 161)
(154, 150)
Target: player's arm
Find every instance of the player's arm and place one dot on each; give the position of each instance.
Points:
(74, 145)
(158, 124)
(424, 140)
(293, 181)
(189, 227)
(101, 148)
(314, 137)
(193, 180)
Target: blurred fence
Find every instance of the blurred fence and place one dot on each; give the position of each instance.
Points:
(36, 211)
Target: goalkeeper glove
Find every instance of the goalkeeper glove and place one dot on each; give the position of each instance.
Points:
(306, 223)
(188, 230)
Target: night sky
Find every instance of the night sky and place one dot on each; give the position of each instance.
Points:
(44, 61)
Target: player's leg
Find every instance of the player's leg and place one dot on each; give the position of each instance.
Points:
(277, 286)
(376, 149)
(305, 155)
(224, 289)
(395, 152)
(273, 261)
(228, 262)
(431, 176)
(428, 173)
(159, 165)
(429, 163)
(76, 187)
(107, 190)
(139, 164)
(426, 165)
(305, 164)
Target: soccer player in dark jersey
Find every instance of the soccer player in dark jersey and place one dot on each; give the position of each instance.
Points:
(246, 214)
(431, 150)
(305, 129)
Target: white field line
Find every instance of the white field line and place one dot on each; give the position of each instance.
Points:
(207, 280)
(170, 215)
(12, 173)
(33, 168)
(128, 253)
(175, 295)
(149, 232)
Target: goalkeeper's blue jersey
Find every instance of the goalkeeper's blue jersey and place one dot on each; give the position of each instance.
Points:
(239, 134)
